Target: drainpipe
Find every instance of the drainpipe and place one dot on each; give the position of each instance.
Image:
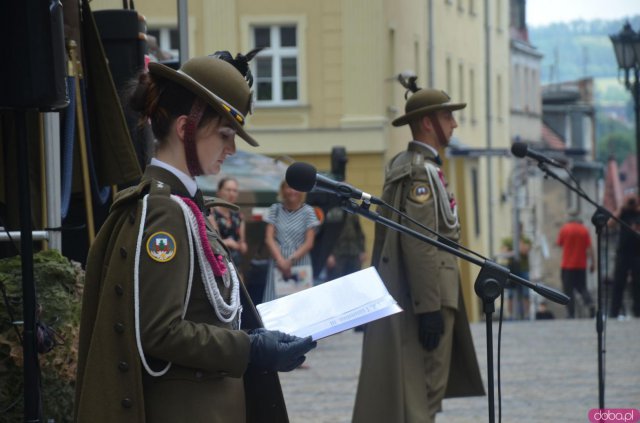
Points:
(430, 46)
(183, 29)
(489, 116)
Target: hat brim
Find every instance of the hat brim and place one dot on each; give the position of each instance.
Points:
(196, 88)
(406, 118)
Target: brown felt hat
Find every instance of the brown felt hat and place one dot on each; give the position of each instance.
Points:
(218, 83)
(426, 101)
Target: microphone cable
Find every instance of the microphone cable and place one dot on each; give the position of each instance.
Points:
(499, 354)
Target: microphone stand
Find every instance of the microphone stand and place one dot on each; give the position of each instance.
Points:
(32, 395)
(599, 220)
(488, 285)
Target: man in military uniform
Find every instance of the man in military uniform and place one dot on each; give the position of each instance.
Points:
(348, 252)
(414, 359)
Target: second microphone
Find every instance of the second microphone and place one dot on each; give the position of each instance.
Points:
(304, 177)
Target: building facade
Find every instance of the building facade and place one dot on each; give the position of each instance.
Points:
(569, 135)
(526, 181)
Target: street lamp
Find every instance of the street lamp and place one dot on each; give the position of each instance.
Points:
(626, 45)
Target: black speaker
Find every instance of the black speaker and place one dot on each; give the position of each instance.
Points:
(33, 71)
(123, 37)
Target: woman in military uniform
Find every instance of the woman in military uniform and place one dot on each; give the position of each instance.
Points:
(162, 336)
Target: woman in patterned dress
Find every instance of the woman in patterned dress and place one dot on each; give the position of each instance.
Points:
(230, 223)
(289, 235)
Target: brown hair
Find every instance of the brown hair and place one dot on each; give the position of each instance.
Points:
(225, 180)
(162, 101)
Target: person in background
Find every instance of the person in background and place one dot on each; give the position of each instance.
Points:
(167, 331)
(543, 312)
(289, 235)
(516, 293)
(229, 222)
(627, 257)
(576, 246)
(412, 360)
(348, 252)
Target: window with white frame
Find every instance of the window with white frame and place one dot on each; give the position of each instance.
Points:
(276, 68)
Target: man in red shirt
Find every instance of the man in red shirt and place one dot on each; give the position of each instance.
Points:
(576, 248)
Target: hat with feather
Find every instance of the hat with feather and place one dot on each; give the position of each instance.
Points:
(422, 101)
(221, 81)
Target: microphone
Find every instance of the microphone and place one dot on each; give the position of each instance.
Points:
(521, 149)
(304, 177)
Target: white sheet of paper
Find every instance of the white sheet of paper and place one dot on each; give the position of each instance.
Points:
(331, 307)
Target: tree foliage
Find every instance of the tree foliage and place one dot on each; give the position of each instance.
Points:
(618, 145)
(614, 137)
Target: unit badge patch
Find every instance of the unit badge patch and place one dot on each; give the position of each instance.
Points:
(161, 246)
(420, 192)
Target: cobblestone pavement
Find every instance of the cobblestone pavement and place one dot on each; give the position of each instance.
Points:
(549, 373)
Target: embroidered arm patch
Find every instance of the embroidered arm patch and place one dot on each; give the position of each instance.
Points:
(420, 192)
(161, 247)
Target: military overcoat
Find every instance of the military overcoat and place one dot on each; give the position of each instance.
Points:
(392, 385)
(210, 360)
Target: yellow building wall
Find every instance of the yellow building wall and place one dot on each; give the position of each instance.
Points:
(501, 88)
(405, 47)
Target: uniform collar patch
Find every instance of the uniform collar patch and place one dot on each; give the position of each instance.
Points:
(161, 247)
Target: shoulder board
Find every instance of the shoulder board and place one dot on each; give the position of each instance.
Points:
(398, 168)
(417, 158)
(219, 202)
(128, 194)
(159, 188)
(135, 192)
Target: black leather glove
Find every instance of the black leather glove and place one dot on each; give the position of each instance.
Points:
(276, 351)
(430, 327)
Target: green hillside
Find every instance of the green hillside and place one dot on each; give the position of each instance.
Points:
(581, 49)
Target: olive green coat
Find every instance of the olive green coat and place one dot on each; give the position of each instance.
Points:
(421, 278)
(210, 360)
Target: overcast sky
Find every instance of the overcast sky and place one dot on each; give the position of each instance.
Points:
(543, 12)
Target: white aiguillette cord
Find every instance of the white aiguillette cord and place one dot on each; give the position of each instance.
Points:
(442, 201)
(225, 312)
